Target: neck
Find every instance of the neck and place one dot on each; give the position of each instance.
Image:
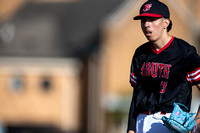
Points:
(158, 44)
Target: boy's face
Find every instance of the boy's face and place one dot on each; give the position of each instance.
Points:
(153, 28)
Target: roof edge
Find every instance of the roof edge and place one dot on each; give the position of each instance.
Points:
(123, 13)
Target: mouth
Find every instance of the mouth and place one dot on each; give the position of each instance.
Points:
(148, 33)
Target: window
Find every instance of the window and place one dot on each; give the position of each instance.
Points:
(46, 83)
(16, 84)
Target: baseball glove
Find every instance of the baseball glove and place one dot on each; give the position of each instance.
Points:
(179, 120)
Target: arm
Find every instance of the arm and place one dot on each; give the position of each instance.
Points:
(198, 115)
(198, 86)
(198, 112)
(131, 119)
(197, 120)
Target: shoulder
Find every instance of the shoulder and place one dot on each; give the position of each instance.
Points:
(144, 48)
(183, 45)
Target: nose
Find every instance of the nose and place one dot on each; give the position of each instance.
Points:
(146, 23)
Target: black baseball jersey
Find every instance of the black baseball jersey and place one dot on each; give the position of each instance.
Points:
(163, 77)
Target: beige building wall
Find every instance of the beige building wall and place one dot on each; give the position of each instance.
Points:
(40, 92)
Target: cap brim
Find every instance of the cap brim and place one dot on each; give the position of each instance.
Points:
(147, 15)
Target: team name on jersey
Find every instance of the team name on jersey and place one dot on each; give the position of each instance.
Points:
(155, 70)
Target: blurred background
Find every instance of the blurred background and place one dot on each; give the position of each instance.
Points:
(65, 64)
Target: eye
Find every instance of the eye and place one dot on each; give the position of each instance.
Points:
(153, 19)
(143, 20)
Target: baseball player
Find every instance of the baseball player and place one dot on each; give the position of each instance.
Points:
(163, 71)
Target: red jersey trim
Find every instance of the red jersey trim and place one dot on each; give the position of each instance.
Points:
(133, 79)
(194, 76)
(162, 49)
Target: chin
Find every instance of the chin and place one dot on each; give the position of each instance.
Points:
(151, 39)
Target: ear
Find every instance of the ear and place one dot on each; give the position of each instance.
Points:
(166, 23)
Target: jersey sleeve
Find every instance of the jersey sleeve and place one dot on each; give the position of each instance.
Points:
(133, 76)
(193, 73)
(133, 82)
(132, 116)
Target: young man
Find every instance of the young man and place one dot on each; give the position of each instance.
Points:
(163, 71)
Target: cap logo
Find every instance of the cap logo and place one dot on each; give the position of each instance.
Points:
(147, 7)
